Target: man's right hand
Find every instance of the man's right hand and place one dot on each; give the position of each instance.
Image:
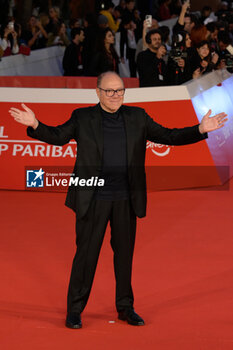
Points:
(26, 117)
(161, 52)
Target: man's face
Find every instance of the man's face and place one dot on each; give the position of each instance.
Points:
(80, 37)
(155, 41)
(214, 35)
(130, 6)
(110, 82)
(222, 46)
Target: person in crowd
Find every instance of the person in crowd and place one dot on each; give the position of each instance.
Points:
(73, 60)
(165, 32)
(212, 30)
(105, 57)
(128, 11)
(178, 68)
(132, 13)
(175, 7)
(9, 40)
(198, 34)
(117, 13)
(150, 64)
(205, 14)
(225, 59)
(222, 9)
(203, 61)
(102, 22)
(142, 44)
(73, 23)
(164, 10)
(35, 36)
(230, 22)
(1, 50)
(122, 5)
(139, 24)
(55, 19)
(223, 39)
(108, 12)
(44, 19)
(58, 36)
(128, 39)
(91, 32)
(222, 25)
(186, 21)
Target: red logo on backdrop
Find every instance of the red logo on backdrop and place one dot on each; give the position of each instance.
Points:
(158, 149)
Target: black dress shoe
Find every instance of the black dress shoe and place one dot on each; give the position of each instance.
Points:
(73, 320)
(131, 317)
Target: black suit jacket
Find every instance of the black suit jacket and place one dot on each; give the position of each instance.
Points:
(72, 60)
(85, 127)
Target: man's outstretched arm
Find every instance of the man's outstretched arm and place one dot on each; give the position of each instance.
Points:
(184, 136)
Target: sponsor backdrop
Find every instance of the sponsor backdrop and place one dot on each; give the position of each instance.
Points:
(167, 166)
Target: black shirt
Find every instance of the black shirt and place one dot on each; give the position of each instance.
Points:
(114, 166)
(151, 70)
(72, 60)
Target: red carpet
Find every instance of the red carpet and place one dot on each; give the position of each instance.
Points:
(182, 277)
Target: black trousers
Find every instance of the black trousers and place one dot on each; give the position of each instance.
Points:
(90, 232)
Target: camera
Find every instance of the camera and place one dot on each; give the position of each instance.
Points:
(228, 60)
(10, 25)
(178, 50)
(177, 53)
(227, 56)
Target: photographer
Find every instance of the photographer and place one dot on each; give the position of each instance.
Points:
(177, 67)
(151, 67)
(225, 57)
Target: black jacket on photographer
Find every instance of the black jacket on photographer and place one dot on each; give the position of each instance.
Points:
(152, 70)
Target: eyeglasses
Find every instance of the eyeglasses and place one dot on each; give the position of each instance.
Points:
(112, 92)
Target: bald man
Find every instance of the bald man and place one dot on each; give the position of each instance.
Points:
(111, 145)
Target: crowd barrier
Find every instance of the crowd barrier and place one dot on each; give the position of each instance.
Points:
(58, 82)
(47, 62)
(207, 163)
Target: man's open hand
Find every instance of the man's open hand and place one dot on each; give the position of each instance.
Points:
(212, 123)
(26, 117)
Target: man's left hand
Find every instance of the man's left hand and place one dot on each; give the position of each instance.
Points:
(212, 123)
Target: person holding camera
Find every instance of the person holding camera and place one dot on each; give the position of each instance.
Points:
(35, 36)
(8, 40)
(225, 57)
(177, 66)
(150, 64)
